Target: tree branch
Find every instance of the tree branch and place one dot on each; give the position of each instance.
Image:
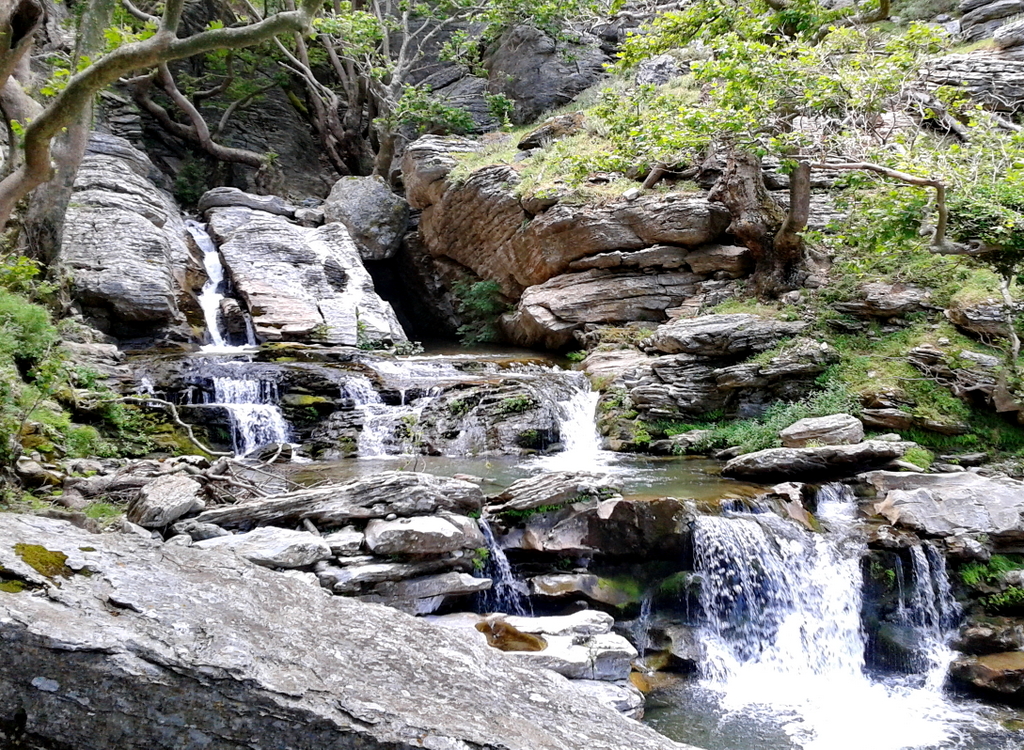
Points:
(160, 48)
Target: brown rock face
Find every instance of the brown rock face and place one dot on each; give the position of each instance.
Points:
(1000, 673)
(482, 224)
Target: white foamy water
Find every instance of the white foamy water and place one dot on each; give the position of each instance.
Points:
(212, 293)
(577, 427)
(256, 419)
(507, 594)
(783, 636)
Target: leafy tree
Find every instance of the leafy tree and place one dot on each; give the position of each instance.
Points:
(69, 95)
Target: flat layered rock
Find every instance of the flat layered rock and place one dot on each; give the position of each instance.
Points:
(1001, 673)
(554, 488)
(830, 461)
(835, 429)
(404, 493)
(939, 504)
(273, 547)
(733, 335)
(165, 647)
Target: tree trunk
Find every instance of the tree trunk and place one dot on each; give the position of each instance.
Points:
(44, 220)
(788, 248)
(756, 220)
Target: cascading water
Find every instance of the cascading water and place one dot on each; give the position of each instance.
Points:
(507, 594)
(641, 630)
(387, 430)
(577, 428)
(256, 420)
(212, 293)
(783, 637)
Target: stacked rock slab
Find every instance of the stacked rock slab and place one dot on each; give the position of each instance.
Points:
(188, 648)
(569, 266)
(300, 283)
(124, 250)
(700, 365)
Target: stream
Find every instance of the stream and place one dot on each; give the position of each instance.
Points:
(778, 615)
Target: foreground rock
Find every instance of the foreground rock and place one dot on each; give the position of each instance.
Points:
(827, 462)
(1000, 674)
(174, 650)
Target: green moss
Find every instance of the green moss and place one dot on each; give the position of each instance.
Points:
(977, 573)
(12, 587)
(516, 404)
(920, 456)
(101, 511)
(46, 562)
(521, 515)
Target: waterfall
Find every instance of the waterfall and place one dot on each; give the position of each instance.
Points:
(782, 633)
(212, 293)
(387, 430)
(641, 629)
(507, 593)
(256, 419)
(577, 426)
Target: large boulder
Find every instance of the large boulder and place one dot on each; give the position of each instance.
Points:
(983, 17)
(166, 647)
(375, 217)
(540, 73)
(553, 489)
(165, 500)
(404, 493)
(835, 429)
(941, 504)
(826, 462)
(301, 284)
(481, 223)
(124, 251)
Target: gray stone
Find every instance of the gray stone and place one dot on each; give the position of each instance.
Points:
(405, 493)
(124, 252)
(622, 696)
(198, 531)
(273, 547)
(656, 71)
(578, 586)
(421, 596)
(832, 461)
(986, 318)
(1001, 674)
(229, 197)
(375, 217)
(1009, 35)
(585, 622)
(721, 335)
(835, 429)
(600, 657)
(345, 542)
(540, 74)
(301, 284)
(420, 535)
(994, 80)
(879, 299)
(549, 313)
(941, 504)
(164, 500)
(207, 664)
(551, 130)
(554, 488)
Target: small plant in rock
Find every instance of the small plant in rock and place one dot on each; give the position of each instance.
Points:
(479, 304)
(480, 557)
(516, 404)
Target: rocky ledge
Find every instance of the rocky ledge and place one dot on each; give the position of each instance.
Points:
(117, 641)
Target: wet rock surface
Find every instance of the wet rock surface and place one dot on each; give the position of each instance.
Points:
(802, 463)
(125, 658)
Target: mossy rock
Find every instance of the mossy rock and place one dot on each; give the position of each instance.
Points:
(48, 563)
